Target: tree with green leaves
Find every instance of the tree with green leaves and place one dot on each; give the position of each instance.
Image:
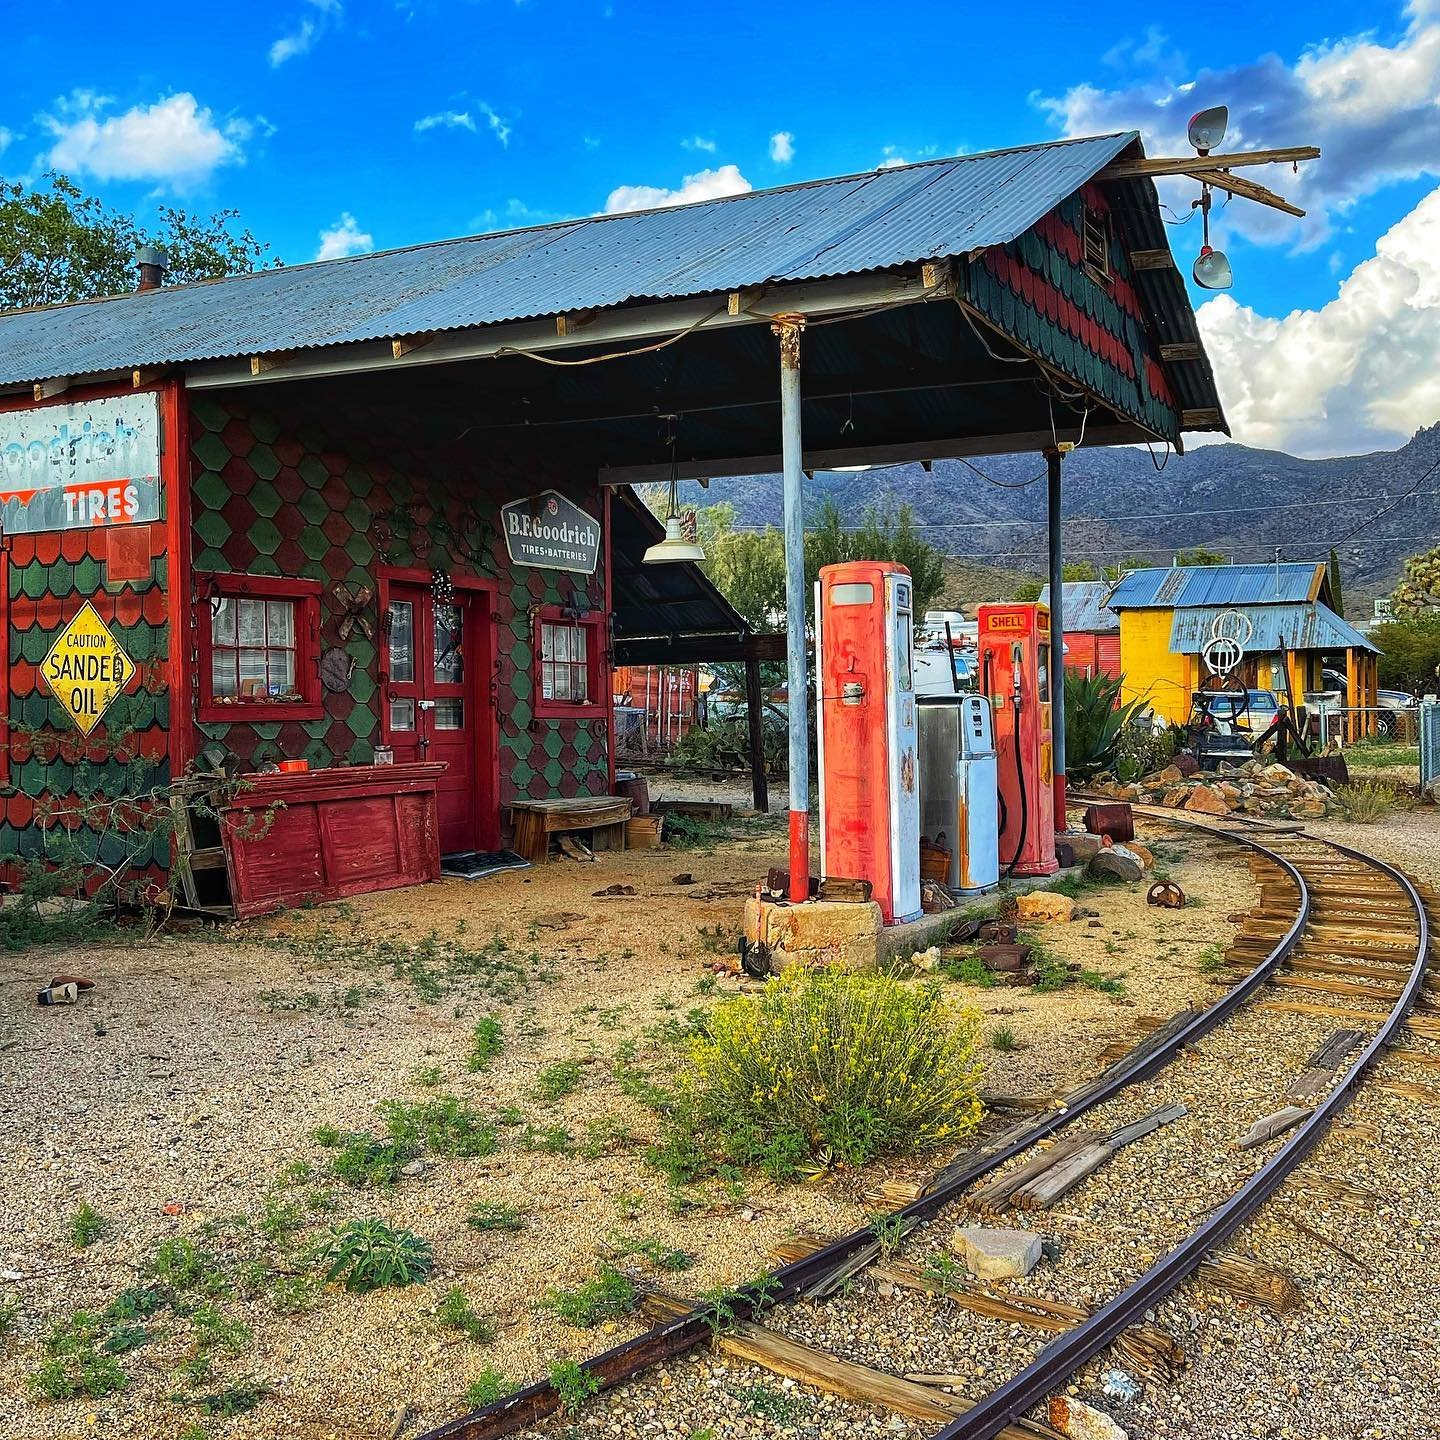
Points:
(1409, 652)
(1337, 594)
(880, 535)
(1200, 555)
(58, 244)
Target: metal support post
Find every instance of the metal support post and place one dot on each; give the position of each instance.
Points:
(788, 328)
(1053, 514)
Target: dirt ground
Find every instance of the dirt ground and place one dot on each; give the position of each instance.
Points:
(181, 1099)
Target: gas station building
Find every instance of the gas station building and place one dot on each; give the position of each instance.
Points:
(379, 507)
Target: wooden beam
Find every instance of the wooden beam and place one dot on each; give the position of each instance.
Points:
(259, 364)
(148, 375)
(1187, 350)
(49, 389)
(1199, 419)
(404, 345)
(1247, 190)
(946, 448)
(754, 712)
(938, 275)
(739, 302)
(1152, 260)
(1190, 164)
(574, 322)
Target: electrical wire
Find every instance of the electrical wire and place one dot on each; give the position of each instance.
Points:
(1385, 510)
(613, 354)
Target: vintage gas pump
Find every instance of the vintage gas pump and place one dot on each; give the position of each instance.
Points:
(869, 808)
(1015, 674)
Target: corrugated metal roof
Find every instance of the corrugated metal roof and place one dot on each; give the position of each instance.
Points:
(1187, 585)
(1085, 608)
(811, 231)
(1275, 627)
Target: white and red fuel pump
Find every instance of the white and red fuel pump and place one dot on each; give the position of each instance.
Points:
(1014, 646)
(865, 719)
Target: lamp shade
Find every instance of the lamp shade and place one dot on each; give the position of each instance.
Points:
(1212, 270)
(673, 547)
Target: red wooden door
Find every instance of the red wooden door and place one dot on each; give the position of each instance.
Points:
(431, 712)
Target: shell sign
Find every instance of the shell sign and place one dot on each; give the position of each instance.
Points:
(86, 668)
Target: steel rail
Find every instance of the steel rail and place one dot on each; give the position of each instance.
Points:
(1069, 1351)
(539, 1401)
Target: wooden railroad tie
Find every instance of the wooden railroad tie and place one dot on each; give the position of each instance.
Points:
(770, 1350)
(1146, 1348)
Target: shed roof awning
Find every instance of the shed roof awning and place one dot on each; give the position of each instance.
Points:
(670, 614)
(1085, 607)
(1273, 628)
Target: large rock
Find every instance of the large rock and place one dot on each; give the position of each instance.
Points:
(1306, 809)
(1145, 854)
(1207, 801)
(1043, 905)
(1119, 862)
(996, 1254)
(1083, 845)
(1079, 1421)
(1170, 775)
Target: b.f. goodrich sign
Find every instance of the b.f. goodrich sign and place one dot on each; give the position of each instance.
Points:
(548, 532)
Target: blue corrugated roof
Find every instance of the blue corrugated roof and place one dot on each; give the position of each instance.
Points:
(1274, 627)
(1085, 607)
(810, 231)
(1188, 585)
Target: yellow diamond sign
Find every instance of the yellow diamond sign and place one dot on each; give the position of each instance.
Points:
(86, 668)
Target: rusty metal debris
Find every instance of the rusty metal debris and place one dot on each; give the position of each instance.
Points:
(1165, 894)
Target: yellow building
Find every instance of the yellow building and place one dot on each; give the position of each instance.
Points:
(1167, 617)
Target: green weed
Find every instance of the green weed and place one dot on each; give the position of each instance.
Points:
(1003, 1039)
(370, 1255)
(455, 1312)
(487, 1040)
(487, 1215)
(87, 1225)
(608, 1296)
(488, 1387)
(573, 1386)
(556, 1081)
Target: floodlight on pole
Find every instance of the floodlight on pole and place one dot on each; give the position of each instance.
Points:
(1207, 128)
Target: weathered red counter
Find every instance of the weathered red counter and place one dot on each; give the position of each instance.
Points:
(325, 834)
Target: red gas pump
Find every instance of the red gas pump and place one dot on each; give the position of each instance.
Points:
(1014, 646)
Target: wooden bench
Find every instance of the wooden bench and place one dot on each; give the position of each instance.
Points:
(536, 821)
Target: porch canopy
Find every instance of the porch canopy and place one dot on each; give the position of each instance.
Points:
(1023, 299)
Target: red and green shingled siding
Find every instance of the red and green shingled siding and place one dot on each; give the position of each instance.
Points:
(1037, 289)
(48, 578)
(268, 502)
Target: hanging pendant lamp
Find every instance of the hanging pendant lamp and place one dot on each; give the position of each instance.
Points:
(674, 547)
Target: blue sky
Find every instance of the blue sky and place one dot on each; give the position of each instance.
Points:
(336, 125)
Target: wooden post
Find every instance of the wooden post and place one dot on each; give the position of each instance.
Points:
(754, 706)
(1355, 695)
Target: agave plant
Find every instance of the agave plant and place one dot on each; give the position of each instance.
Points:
(1094, 719)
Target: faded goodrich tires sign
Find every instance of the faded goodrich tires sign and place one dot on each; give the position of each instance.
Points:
(548, 532)
(81, 465)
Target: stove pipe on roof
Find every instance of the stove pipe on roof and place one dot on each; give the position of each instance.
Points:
(153, 261)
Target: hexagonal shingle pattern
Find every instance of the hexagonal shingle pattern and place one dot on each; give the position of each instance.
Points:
(328, 514)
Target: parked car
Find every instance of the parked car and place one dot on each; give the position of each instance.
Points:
(1392, 703)
(1253, 715)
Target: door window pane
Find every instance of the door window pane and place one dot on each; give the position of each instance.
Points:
(402, 714)
(449, 638)
(400, 624)
(449, 714)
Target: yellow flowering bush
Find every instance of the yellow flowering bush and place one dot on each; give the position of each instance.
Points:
(833, 1065)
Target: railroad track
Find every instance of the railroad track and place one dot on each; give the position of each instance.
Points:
(1336, 936)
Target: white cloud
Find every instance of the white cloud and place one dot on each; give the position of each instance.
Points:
(706, 185)
(1370, 107)
(307, 31)
(699, 142)
(6, 137)
(448, 119)
(175, 141)
(893, 156)
(344, 237)
(464, 120)
(782, 147)
(1360, 373)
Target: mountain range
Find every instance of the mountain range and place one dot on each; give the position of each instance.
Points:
(1122, 504)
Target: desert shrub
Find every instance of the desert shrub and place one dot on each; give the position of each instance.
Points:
(444, 1125)
(828, 1064)
(1366, 802)
(1141, 749)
